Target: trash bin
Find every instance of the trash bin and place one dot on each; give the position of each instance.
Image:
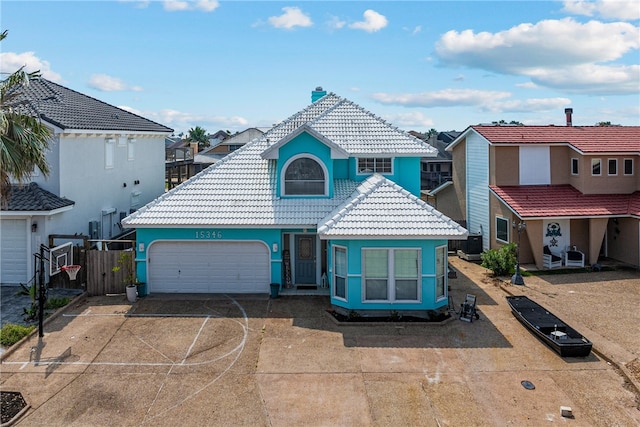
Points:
(275, 289)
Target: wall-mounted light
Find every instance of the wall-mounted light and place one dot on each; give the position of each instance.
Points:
(124, 184)
(274, 247)
(34, 227)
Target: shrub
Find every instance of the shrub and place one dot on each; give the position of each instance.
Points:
(500, 261)
(12, 333)
(55, 303)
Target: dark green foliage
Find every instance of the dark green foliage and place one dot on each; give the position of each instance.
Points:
(11, 333)
(501, 261)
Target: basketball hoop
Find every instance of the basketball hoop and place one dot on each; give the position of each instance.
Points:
(71, 270)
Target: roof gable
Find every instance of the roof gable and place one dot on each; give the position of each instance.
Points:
(273, 151)
(379, 208)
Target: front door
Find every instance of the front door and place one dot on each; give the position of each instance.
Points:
(305, 255)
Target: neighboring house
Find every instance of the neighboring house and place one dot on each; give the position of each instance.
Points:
(573, 186)
(217, 138)
(330, 195)
(207, 157)
(435, 171)
(105, 163)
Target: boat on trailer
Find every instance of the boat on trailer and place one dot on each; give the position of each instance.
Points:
(562, 338)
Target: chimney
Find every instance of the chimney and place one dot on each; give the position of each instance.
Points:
(568, 112)
(317, 94)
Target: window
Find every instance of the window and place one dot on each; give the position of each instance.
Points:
(109, 153)
(339, 272)
(612, 167)
(304, 176)
(502, 230)
(574, 166)
(374, 165)
(131, 149)
(628, 166)
(441, 262)
(391, 274)
(596, 167)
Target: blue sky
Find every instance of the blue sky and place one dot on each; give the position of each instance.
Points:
(420, 64)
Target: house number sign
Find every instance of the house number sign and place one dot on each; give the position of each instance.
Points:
(208, 234)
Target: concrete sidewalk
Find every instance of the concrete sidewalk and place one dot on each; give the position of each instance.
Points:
(252, 361)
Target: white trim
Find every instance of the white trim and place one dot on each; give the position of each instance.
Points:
(496, 225)
(391, 276)
(333, 273)
(577, 160)
(36, 213)
(445, 275)
(374, 158)
(283, 172)
(623, 166)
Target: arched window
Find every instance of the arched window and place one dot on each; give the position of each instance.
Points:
(304, 176)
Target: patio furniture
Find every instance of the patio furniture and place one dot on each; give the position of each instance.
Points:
(574, 258)
(549, 259)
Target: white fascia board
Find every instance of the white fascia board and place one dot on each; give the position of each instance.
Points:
(393, 237)
(272, 152)
(36, 213)
(460, 137)
(112, 132)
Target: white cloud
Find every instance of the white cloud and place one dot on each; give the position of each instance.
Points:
(531, 105)
(139, 4)
(178, 6)
(441, 98)
(412, 119)
(107, 83)
(626, 10)
(182, 121)
(335, 23)
(486, 101)
(591, 79)
(544, 50)
(291, 18)
(373, 22)
(11, 62)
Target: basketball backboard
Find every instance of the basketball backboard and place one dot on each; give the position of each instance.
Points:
(59, 257)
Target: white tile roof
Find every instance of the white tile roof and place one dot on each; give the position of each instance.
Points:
(380, 208)
(240, 189)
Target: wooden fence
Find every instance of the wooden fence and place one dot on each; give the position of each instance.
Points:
(96, 275)
(101, 279)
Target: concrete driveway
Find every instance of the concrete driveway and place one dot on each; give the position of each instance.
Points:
(252, 361)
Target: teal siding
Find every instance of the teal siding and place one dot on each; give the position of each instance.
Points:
(341, 169)
(354, 280)
(297, 147)
(146, 236)
(406, 173)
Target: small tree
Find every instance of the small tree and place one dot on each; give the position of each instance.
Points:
(500, 261)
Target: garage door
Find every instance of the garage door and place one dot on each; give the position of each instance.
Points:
(209, 267)
(13, 251)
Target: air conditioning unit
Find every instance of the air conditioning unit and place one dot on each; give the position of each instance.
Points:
(94, 230)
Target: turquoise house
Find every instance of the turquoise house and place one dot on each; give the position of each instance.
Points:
(325, 202)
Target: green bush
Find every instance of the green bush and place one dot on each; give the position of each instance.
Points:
(12, 333)
(501, 261)
(55, 303)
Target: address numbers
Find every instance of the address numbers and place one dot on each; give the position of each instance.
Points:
(208, 234)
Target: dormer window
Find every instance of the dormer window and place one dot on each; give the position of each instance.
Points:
(304, 176)
(369, 165)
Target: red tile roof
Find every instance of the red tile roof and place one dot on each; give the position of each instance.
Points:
(565, 201)
(585, 139)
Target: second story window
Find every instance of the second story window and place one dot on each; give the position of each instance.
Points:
(374, 165)
(628, 166)
(612, 165)
(109, 152)
(574, 166)
(304, 176)
(596, 167)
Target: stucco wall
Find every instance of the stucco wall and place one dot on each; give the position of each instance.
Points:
(623, 241)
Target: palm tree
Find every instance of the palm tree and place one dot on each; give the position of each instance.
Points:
(24, 139)
(198, 135)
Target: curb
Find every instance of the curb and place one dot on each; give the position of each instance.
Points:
(10, 350)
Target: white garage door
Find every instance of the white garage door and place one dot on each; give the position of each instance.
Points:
(209, 267)
(13, 251)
